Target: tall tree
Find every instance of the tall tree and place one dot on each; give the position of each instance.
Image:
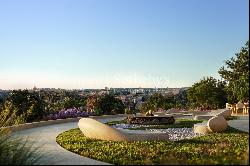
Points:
(208, 93)
(157, 101)
(236, 74)
(105, 104)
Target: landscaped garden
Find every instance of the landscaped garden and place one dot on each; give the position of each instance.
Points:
(228, 147)
(183, 146)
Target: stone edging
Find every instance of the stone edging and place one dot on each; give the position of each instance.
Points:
(25, 126)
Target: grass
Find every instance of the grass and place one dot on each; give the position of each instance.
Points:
(229, 147)
(179, 123)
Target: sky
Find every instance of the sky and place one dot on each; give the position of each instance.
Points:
(78, 44)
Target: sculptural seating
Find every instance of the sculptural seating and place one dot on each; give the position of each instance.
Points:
(214, 124)
(220, 112)
(96, 130)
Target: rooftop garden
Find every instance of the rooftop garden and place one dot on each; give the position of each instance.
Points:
(229, 147)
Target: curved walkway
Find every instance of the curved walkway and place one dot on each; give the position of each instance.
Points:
(45, 138)
(242, 123)
(53, 154)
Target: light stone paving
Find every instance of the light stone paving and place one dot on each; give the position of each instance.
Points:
(45, 138)
(242, 123)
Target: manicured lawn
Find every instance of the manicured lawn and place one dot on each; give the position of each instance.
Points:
(228, 147)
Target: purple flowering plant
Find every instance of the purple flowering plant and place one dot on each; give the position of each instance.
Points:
(68, 113)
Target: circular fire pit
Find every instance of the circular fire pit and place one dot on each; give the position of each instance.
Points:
(150, 120)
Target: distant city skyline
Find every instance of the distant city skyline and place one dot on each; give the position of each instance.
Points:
(93, 44)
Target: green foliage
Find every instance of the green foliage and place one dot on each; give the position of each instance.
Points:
(57, 100)
(157, 101)
(236, 73)
(130, 111)
(22, 106)
(225, 148)
(208, 93)
(16, 151)
(181, 100)
(72, 102)
(106, 104)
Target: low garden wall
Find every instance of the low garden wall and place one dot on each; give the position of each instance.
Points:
(25, 126)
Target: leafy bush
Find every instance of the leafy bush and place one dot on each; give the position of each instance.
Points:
(166, 102)
(22, 106)
(208, 93)
(229, 147)
(106, 104)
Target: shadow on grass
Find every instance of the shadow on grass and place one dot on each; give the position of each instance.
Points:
(194, 141)
(234, 130)
(232, 118)
(179, 123)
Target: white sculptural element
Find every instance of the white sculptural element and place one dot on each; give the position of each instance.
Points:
(96, 130)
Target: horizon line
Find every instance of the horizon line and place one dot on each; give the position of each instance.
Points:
(97, 88)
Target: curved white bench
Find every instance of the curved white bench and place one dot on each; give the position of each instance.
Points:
(96, 130)
(213, 125)
(220, 112)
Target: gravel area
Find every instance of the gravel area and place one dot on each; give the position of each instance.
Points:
(175, 134)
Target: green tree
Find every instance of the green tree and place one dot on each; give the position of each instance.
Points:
(108, 104)
(154, 102)
(208, 93)
(181, 99)
(23, 106)
(236, 74)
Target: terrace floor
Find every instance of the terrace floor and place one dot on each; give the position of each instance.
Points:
(242, 123)
(56, 155)
(45, 137)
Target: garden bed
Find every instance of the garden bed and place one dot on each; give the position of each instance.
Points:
(179, 123)
(228, 147)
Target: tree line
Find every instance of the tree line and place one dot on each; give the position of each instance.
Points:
(210, 93)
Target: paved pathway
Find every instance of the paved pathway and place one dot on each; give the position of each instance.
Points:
(45, 137)
(242, 123)
(56, 155)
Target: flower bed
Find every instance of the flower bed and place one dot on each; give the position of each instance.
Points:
(67, 113)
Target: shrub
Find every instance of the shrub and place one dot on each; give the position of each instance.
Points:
(67, 113)
(22, 106)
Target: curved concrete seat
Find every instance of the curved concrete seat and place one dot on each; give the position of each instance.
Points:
(213, 125)
(201, 128)
(217, 124)
(203, 117)
(226, 113)
(96, 130)
(207, 115)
